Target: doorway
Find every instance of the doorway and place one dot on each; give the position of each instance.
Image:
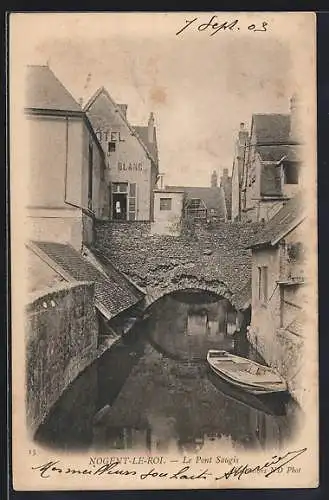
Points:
(119, 206)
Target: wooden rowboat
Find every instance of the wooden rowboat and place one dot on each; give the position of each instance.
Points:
(244, 373)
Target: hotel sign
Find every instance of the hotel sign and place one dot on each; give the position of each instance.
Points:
(130, 166)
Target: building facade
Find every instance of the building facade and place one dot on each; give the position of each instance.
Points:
(202, 204)
(267, 165)
(168, 212)
(67, 170)
(237, 171)
(131, 158)
(279, 276)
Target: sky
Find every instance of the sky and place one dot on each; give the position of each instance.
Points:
(199, 87)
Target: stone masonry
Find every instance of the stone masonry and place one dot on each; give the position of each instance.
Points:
(61, 340)
(214, 259)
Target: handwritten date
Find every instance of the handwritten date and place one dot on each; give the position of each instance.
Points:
(213, 26)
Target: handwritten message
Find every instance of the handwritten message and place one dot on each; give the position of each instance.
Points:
(189, 469)
(214, 25)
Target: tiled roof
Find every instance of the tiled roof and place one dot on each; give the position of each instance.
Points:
(271, 128)
(291, 213)
(213, 197)
(297, 326)
(112, 296)
(151, 146)
(45, 91)
(276, 153)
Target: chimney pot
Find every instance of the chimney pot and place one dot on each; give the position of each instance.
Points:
(151, 128)
(214, 179)
(123, 109)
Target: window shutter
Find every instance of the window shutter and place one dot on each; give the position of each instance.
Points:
(132, 201)
(270, 182)
(110, 199)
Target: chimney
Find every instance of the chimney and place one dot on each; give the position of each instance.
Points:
(243, 134)
(224, 178)
(214, 179)
(123, 109)
(150, 132)
(160, 181)
(80, 101)
(295, 119)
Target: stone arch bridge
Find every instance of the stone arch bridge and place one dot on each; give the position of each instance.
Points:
(213, 259)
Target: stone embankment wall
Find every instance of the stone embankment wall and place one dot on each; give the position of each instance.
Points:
(209, 258)
(284, 353)
(61, 340)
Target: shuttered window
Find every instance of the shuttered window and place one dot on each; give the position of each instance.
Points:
(132, 201)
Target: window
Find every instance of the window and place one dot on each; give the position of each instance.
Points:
(111, 147)
(259, 283)
(194, 204)
(120, 187)
(270, 180)
(291, 171)
(165, 203)
(115, 136)
(263, 284)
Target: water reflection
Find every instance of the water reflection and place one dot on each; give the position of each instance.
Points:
(154, 392)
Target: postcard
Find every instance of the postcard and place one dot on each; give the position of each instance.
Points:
(164, 250)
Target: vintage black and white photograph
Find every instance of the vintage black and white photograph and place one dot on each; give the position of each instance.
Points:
(164, 250)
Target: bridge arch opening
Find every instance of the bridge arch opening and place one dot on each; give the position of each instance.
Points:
(184, 324)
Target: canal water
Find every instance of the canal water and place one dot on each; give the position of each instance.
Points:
(153, 391)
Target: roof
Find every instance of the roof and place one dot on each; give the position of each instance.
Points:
(151, 146)
(112, 295)
(44, 91)
(119, 108)
(276, 153)
(213, 197)
(297, 326)
(272, 137)
(286, 219)
(271, 128)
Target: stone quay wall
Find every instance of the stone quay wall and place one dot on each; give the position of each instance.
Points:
(61, 340)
